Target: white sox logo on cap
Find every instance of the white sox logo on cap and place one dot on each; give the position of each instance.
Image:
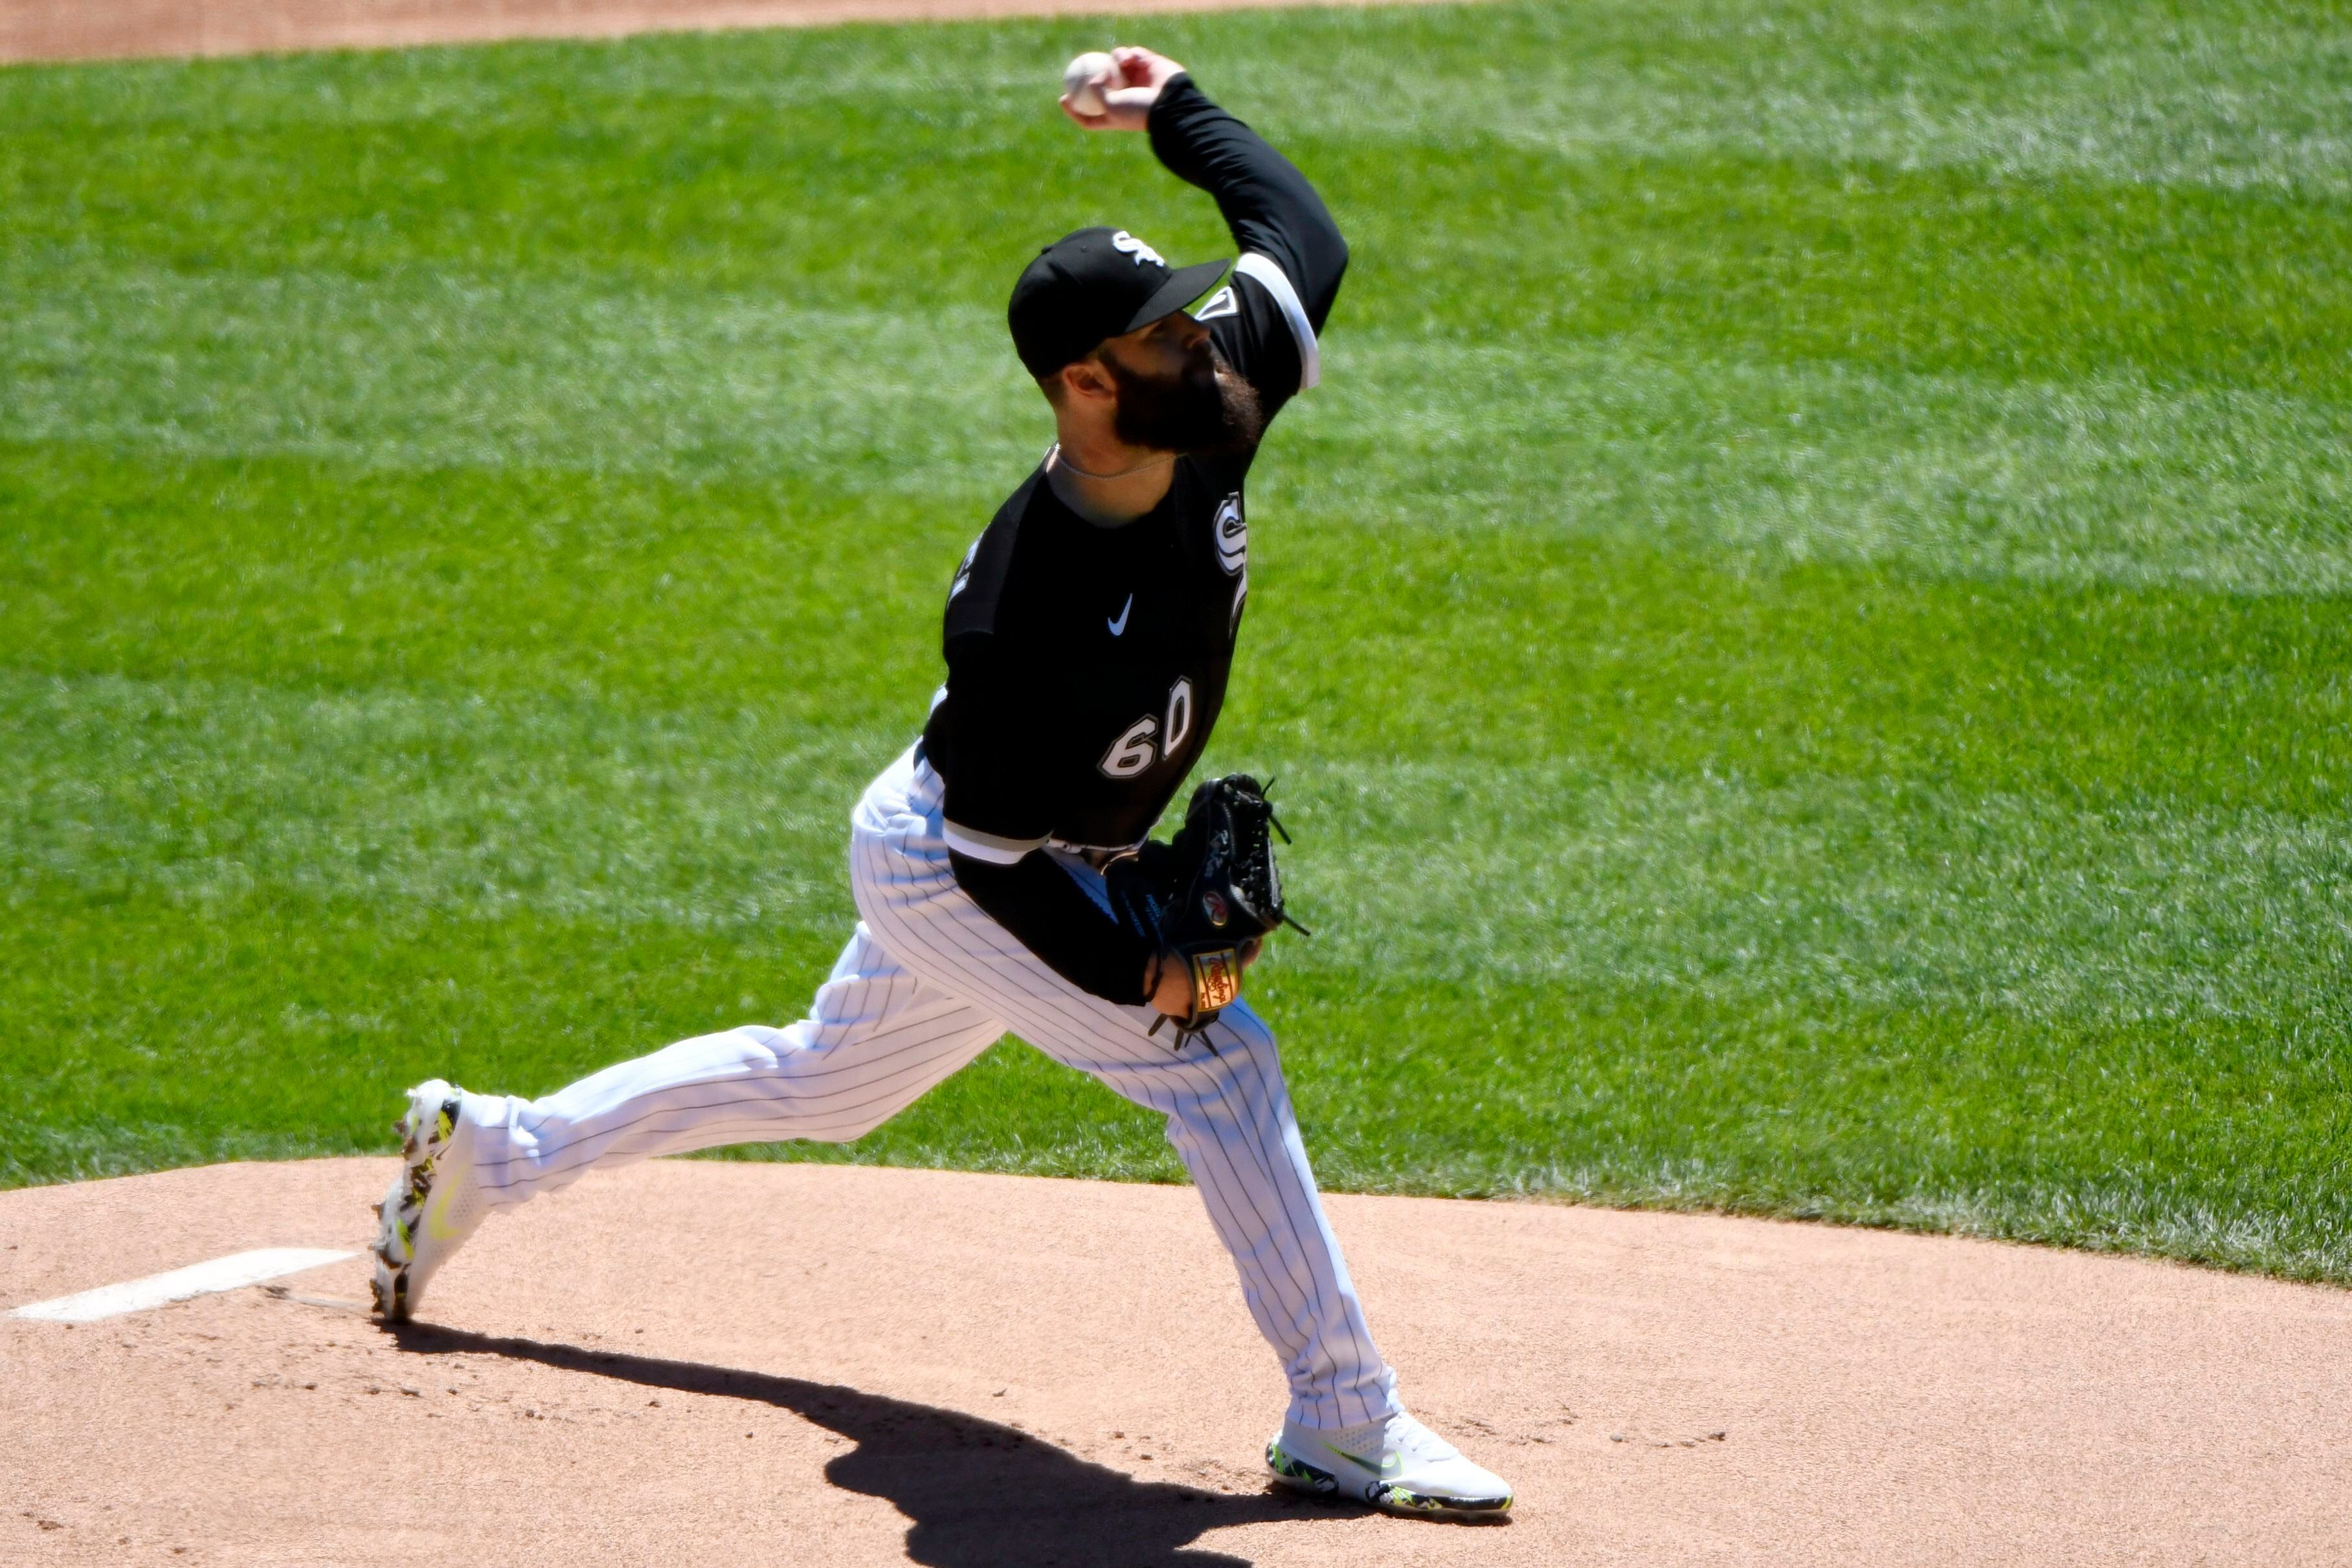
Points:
(1129, 245)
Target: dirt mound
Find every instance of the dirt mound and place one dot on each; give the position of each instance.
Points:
(691, 1363)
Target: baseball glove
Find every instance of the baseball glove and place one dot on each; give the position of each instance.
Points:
(1205, 896)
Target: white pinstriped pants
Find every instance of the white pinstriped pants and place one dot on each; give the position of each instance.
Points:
(928, 982)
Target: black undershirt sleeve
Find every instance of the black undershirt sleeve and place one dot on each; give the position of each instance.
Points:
(1038, 901)
(1267, 203)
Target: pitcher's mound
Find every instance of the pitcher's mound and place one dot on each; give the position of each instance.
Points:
(690, 1362)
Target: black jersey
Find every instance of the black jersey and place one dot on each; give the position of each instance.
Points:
(1087, 665)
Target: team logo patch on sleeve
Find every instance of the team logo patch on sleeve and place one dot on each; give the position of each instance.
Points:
(1220, 303)
(1233, 535)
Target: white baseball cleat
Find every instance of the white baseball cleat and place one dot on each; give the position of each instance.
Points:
(435, 1203)
(1394, 1463)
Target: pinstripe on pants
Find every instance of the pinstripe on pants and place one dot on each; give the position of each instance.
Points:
(928, 982)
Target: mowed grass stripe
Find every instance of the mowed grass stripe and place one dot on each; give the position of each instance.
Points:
(1934, 270)
(2235, 96)
(162, 1031)
(806, 610)
(2096, 478)
(1887, 894)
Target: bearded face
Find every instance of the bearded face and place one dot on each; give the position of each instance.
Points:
(1205, 407)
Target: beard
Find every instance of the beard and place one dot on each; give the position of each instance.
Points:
(1205, 409)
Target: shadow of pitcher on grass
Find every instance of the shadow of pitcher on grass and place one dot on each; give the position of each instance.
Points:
(979, 1495)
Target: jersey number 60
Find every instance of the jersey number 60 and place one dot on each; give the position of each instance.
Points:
(1140, 744)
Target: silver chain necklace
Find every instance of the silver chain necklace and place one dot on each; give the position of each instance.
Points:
(1055, 458)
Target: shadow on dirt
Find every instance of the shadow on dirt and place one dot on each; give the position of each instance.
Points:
(981, 1495)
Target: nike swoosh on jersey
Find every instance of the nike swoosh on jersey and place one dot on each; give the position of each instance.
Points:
(1118, 627)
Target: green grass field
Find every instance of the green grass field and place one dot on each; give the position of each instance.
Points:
(1805, 636)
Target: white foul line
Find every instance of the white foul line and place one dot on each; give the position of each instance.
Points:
(180, 1284)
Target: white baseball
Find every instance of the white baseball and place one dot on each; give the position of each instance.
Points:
(1085, 78)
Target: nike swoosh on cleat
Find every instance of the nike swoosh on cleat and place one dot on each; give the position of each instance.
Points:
(1118, 627)
(435, 1218)
(1356, 1459)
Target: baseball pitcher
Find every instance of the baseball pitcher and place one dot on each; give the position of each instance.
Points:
(1000, 865)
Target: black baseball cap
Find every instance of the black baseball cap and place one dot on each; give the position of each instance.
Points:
(1094, 284)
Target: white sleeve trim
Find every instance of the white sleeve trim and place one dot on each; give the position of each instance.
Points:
(975, 845)
(1277, 283)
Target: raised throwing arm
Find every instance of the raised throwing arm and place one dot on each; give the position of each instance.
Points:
(1290, 246)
